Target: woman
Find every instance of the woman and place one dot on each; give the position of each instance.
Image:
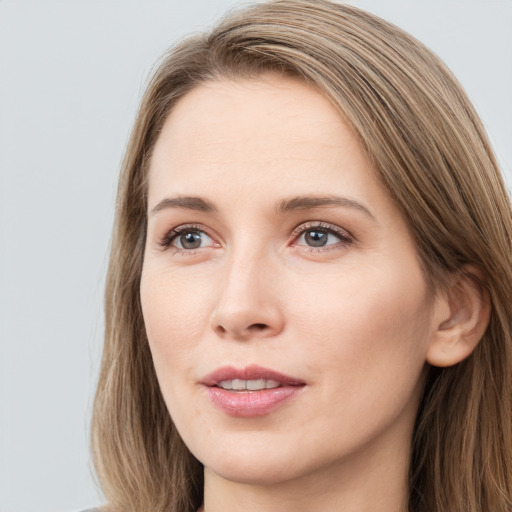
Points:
(308, 296)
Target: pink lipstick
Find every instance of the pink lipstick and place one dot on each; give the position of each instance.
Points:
(252, 391)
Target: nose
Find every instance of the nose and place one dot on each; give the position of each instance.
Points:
(248, 303)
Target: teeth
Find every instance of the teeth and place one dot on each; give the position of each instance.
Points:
(248, 385)
(254, 385)
(238, 385)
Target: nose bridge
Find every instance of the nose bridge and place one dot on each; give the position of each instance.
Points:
(247, 305)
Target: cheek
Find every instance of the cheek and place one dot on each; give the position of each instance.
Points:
(173, 321)
(364, 338)
(366, 322)
(174, 328)
(174, 307)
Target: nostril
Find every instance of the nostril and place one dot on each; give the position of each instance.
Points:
(258, 327)
(220, 329)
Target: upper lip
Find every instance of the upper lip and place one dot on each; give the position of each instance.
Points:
(252, 372)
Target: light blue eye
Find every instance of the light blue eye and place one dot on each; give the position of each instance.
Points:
(192, 239)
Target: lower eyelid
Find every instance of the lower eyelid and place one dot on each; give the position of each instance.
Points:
(338, 246)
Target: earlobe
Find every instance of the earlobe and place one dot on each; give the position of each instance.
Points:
(461, 316)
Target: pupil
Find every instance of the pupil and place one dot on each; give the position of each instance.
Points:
(190, 240)
(316, 238)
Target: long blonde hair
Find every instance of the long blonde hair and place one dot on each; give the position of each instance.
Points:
(432, 155)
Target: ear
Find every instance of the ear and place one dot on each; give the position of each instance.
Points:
(461, 316)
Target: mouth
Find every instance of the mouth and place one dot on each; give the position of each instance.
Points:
(238, 385)
(252, 391)
(250, 378)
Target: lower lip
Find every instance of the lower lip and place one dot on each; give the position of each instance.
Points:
(251, 403)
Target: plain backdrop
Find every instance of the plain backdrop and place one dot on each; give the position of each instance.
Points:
(71, 76)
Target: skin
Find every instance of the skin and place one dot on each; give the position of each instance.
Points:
(353, 319)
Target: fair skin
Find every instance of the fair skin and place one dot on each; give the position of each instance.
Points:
(329, 292)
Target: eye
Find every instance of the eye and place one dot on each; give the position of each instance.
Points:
(318, 236)
(192, 240)
(187, 238)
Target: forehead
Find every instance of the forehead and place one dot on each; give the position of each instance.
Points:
(258, 135)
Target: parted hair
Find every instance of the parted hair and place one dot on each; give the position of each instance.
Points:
(430, 152)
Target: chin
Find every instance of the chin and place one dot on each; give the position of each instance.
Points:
(249, 459)
(248, 475)
(260, 460)
(251, 472)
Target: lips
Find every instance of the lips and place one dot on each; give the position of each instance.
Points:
(251, 391)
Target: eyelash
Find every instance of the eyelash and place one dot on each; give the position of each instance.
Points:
(344, 237)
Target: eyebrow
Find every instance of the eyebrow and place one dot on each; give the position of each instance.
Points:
(188, 203)
(311, 202)
(284, 206)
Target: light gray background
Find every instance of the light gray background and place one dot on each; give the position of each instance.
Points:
(71, 75)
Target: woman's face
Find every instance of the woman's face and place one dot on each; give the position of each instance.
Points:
(284, 302)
